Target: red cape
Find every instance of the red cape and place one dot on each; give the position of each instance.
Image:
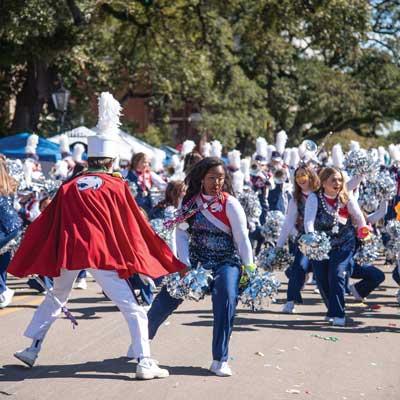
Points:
(95, 227)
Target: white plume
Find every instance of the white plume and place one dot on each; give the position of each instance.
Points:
(77, 152)
(286, 156)
(354, 145)
(109, 113)
(206, 149)
(270, 149)
(382, 153)
(234, 159)
(394, 152)
(175, 161)
(302, 149)
(261, 147)
(157, 164)
(294, 157)
(64, 143)
(187, 147)
(28, 171)
(281, 139)
(216, 149)
(237, 181)
(337, 155)
(61, 170)
(31, 144)
(245, 168)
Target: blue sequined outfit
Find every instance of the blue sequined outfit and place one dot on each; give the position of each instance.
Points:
(345, 239)
(210, 246)
(143, 199)
(9, 219)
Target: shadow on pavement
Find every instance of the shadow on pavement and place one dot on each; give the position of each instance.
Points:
(114, 369)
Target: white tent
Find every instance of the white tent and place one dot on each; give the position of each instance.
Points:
(128, 144)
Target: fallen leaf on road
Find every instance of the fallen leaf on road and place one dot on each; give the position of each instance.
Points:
(258, 353)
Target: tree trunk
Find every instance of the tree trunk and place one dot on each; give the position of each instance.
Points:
(30, 100)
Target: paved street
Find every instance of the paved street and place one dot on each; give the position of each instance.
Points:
(273, 356)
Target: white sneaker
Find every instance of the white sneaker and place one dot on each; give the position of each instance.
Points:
(6, 297)
(81, 284)
(27, 356)
(214, 366)
(223, 369)
(339, 321)
(289, 308)
(148, 369)
(355, 294)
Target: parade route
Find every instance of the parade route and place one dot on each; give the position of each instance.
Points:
(273, 355)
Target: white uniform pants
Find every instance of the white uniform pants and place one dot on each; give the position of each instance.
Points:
(116, 289)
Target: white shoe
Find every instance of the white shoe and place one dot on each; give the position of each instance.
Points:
(214, 366)
(328, 319)
(222, 369)
(355, 294)
(339, 321)
(289, 308)
(81, 284)
(27, 356)
(148, 369)
(6, 297)
(316, 291)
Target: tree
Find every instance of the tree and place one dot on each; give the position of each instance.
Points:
(249, 67)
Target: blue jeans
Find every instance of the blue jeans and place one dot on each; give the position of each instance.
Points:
(4, 261)
(331, 280)
(396, 275)
(371, 277)
(297, 276)
(224, 295)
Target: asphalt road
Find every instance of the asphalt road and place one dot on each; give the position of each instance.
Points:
(273, 355)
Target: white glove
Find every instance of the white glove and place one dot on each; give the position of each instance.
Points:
(147, 281)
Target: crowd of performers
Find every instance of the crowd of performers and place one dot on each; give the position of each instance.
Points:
(226, 218)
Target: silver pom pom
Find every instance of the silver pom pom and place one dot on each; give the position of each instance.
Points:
(193, 286)
(380, 187)
(369, 251)
(271, 258)
(251, 204)
(174, 286)
(393, 250)
(272, 227)
(359, 162)
(315, 245)
(156, 195)
(393, 229)
(159, 228)
(133, 188)
(262, 286)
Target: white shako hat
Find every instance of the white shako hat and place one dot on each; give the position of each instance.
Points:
(106, 142)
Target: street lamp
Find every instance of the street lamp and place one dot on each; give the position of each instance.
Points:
(60, 99)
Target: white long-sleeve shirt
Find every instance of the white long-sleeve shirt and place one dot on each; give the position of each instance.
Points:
(240, 234)
(380, 213)
(290, 222)
(311, 209)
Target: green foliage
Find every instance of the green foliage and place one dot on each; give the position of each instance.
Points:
(250, 68)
